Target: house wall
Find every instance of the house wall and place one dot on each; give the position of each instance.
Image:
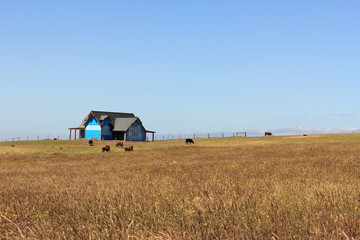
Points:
(92, 129)
(106, 130)
(136, 132)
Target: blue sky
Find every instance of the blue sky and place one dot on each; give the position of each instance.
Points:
(181, 66)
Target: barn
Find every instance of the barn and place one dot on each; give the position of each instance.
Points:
(111, 126)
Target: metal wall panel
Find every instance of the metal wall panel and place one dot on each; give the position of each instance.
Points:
(106, 130)
(136, 132)
(93, 129)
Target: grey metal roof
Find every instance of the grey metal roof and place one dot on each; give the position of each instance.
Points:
(103, 117)
(110, 115)
(123, 124)
(120, 121)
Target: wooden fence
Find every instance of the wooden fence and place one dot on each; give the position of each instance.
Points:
(201, 135)
(37, 138)
(160, 138)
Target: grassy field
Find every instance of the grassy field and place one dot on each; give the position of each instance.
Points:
(291, 187)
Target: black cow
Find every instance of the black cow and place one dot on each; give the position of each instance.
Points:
(268, 134)
(91, 143)
(189, 140)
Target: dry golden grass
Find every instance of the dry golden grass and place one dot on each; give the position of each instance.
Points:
(232, 188)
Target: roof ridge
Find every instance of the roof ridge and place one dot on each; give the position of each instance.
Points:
(109, 112)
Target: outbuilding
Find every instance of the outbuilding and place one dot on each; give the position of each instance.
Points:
(111, 126)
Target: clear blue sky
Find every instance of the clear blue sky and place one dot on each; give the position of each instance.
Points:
(181, 66)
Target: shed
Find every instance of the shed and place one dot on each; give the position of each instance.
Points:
(111, 126)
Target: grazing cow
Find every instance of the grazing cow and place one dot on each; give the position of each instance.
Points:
(91, 143)
(131, 148)
(189, 140)
(106, 148)
(268, 134)
(119, 144)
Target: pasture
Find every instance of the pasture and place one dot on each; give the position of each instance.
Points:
(290, 187)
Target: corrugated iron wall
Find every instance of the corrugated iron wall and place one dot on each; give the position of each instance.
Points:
(106, 131)
(136, 132)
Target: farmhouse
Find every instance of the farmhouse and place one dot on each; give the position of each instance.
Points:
(111, 126)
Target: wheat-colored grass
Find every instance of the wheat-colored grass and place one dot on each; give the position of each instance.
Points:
(231, 188)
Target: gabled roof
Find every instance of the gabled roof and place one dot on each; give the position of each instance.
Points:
(120, 121)
(101, 115)
(123, 124)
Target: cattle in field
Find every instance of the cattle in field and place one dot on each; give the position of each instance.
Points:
(106, 148)
(268, 134)
(189, 140)
(91, 143)
(131, 148)
(119, 144)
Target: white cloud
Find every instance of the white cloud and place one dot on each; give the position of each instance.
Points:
(298, 130)
(350, 129)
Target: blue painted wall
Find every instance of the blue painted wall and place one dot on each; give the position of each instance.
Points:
(135, 133)
(106, 130)
(92, 129)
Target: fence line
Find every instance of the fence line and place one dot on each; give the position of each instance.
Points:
(201, 135)
(37, 138)
(162, 138)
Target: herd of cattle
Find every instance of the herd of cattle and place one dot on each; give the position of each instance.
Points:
(106, 148)
(131, 148)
